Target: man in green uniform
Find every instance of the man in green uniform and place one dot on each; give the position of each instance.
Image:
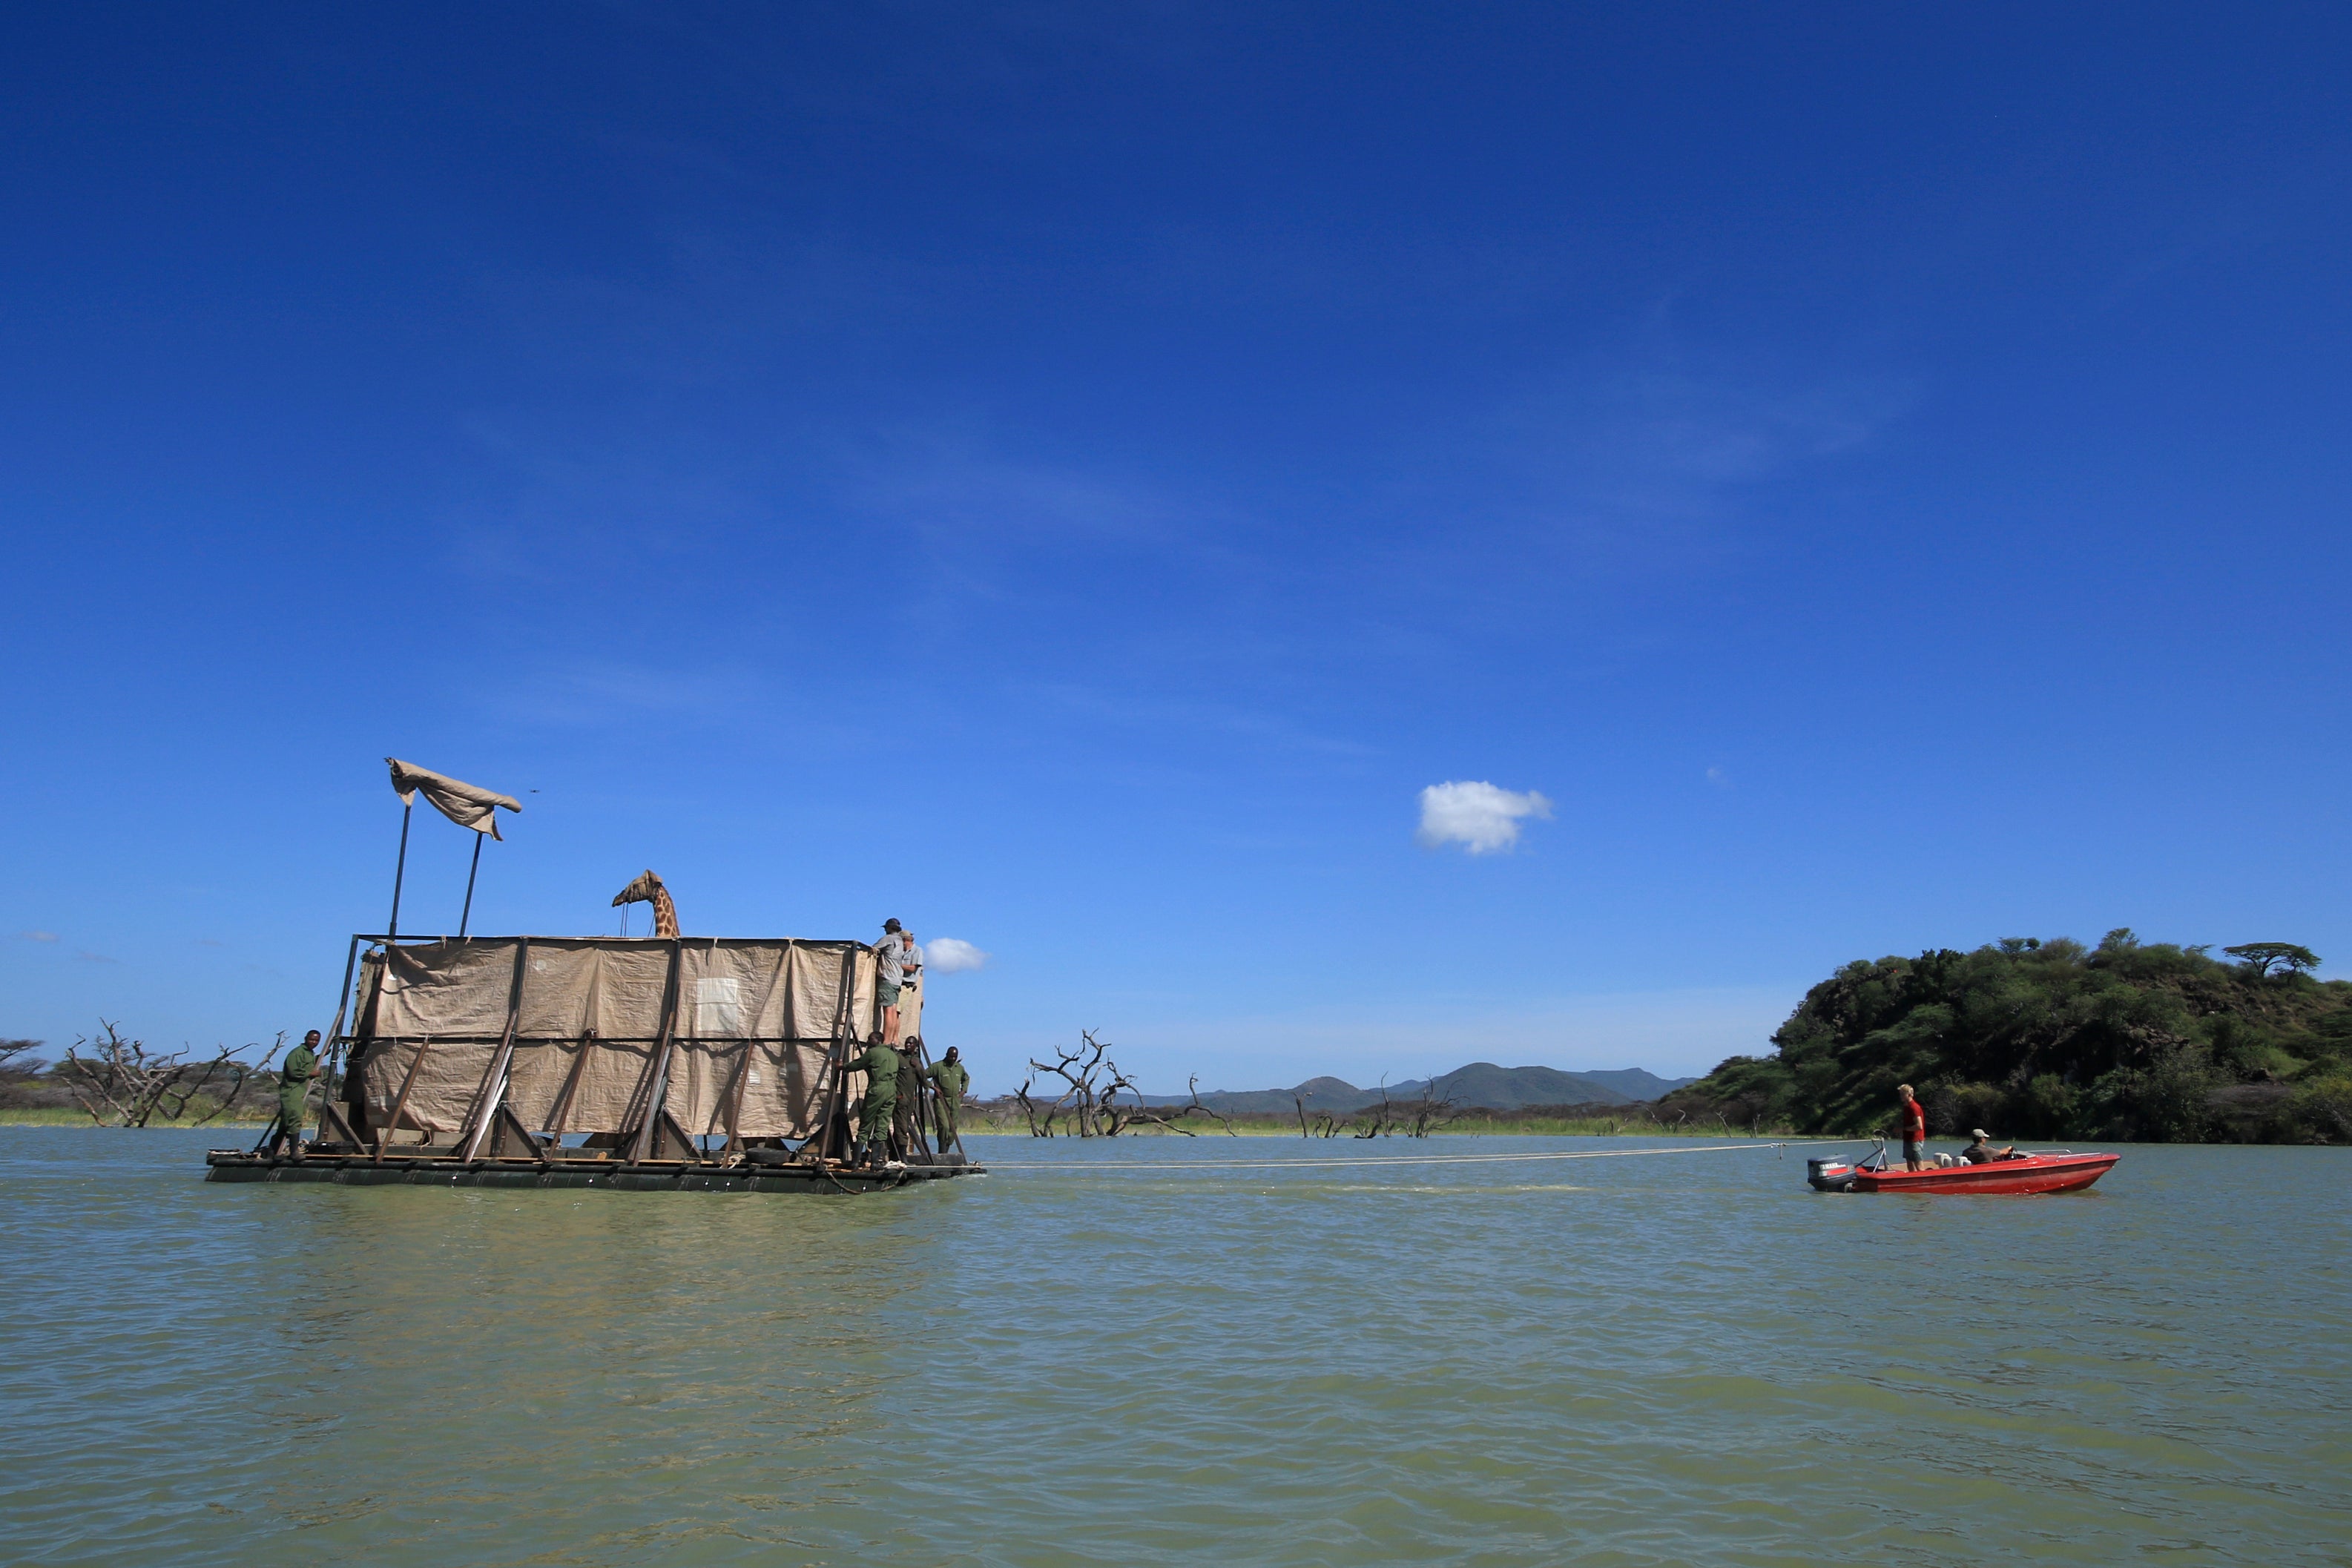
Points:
(949, 1079)
(910, 1093)
(294, 1076)
(880, 1064)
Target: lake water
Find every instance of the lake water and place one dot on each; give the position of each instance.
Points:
(1688, 1358)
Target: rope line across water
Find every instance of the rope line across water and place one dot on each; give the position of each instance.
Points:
(1012, 1165)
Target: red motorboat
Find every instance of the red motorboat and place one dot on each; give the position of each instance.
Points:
(2056, 1172)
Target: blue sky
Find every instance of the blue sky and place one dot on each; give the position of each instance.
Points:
(1072, 476)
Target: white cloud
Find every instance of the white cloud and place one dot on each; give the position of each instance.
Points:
(38, 935)
(947, 955)
(1479, 817)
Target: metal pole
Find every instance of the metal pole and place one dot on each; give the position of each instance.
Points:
(469, 911)
(335, 1033)
(399, 872)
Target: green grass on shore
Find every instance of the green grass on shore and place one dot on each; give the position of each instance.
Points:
(1476, 1124)
(21, 1117)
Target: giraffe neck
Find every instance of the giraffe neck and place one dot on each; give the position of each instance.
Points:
(664, 913)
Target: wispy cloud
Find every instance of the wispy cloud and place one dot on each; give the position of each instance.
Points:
(38, 935)
(594, 693)
(950, 955)
(1649, 459)
(1479, 817)
(86, 956)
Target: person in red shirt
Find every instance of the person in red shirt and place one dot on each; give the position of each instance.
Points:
(1913, 1118)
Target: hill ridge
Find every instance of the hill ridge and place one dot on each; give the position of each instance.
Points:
(1480, 1085)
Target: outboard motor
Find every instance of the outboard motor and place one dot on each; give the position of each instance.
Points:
(1834, 1175)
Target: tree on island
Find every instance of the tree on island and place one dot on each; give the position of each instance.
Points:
(2260, 955)
(2052, 1039)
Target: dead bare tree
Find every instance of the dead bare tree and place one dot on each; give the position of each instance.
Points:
(1116, 1114)
(126, 1082)
(1079, 1070)
(1324, 1124)
(1029, 1112)
(1383, 1121)
(1195, 1108)
(1101, 1100)
(1431, 1111)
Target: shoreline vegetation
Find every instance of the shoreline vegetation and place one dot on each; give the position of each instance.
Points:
(2130, 1041)
(2127, 1041)
(978, 1119)
(1004, 1117)
(36, 1117)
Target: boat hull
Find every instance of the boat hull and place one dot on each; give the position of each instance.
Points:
(2038, 1173)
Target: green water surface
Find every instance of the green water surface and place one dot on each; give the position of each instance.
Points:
(1680, 1359)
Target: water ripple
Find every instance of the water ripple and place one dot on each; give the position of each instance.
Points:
(1621, 1362)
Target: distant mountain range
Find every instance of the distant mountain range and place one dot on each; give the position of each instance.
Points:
(1481, 1086)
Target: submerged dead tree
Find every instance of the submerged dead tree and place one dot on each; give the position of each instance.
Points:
(1431, 1111)
(1377, 1120)
(1170, 1118)
(1098, 1099)
(121, 1083)
(1079, 1070)
(1326, 1125)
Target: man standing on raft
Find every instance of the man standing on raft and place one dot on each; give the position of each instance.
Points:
(880, 1065)
(897, 961)
(949, 1079)
(294, 1076)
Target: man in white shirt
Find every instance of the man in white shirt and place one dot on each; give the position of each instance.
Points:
(900, 964)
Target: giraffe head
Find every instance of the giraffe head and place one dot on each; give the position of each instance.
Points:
(640, 892)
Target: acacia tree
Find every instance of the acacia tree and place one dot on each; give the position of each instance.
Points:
(2291, 957)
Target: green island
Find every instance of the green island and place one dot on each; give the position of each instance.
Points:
(2028, 1038)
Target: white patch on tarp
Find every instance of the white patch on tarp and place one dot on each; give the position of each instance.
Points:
(718, 1006)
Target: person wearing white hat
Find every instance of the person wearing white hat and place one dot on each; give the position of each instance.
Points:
(1982, 1153)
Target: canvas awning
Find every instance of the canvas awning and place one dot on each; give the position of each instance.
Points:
(467, 805)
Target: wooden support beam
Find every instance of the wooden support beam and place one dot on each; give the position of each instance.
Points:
(492, 1091)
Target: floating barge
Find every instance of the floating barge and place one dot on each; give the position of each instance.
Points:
(409, 1168)
(682, 1064)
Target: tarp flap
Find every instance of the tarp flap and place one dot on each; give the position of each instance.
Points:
(467, 805)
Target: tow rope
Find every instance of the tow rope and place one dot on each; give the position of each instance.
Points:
(1011, 1165)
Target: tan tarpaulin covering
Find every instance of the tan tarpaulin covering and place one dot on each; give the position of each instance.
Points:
(780, 1001)
(467, 805)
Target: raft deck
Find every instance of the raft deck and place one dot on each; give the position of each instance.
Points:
(443, 1170)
